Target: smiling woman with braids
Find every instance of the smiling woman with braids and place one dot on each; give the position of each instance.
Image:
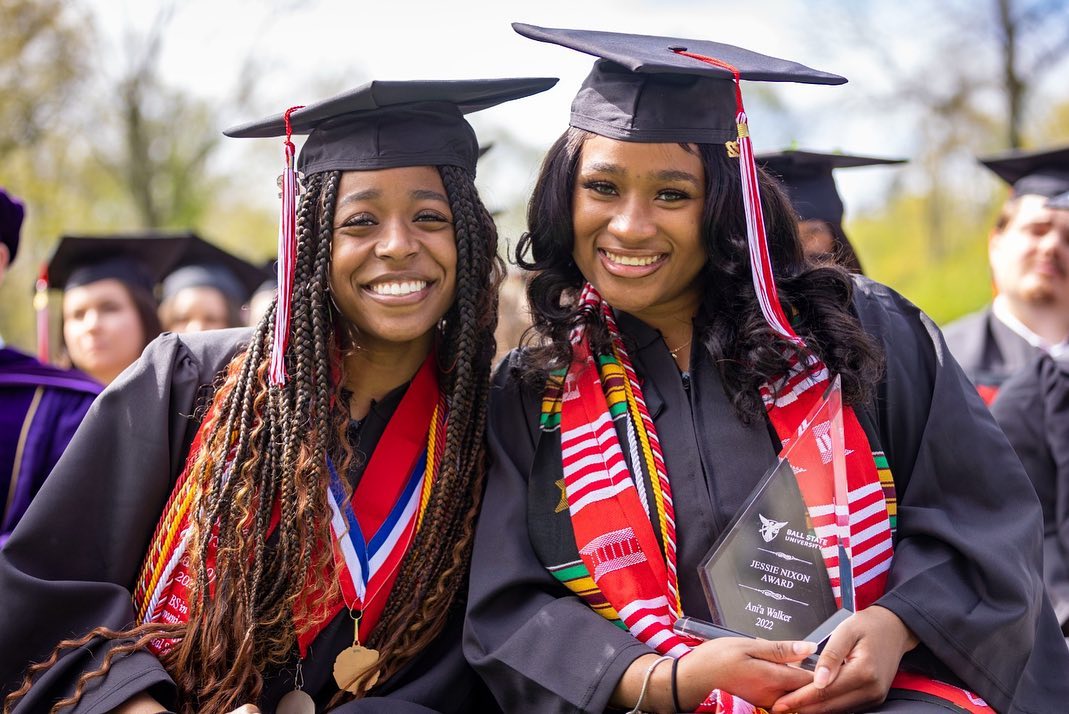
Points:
(684, 339)
(305, 545)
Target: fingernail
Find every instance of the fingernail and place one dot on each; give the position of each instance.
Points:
(779, 708)
(804, 648)
(821, 677)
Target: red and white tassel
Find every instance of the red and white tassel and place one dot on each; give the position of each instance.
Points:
(40, 306)
(287, 258)
(764, 280)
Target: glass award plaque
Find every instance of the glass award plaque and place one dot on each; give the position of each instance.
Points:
(775, 572)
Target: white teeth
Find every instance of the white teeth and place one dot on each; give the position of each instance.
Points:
(405, 288)
(632, 260)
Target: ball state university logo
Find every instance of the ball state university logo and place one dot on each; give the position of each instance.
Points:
(770, 528)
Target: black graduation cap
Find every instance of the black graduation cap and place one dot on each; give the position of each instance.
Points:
(643, 89)
(11, 215)
(388, 124)
(1045, 172)
(136, 259)
(1060, 201)
(203, 264)
(807, 176)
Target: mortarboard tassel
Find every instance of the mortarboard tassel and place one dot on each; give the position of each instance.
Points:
(40, 306)
(287, 258)
(760, 262)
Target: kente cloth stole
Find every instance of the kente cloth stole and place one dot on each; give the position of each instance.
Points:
(370, 531)
(620, 532)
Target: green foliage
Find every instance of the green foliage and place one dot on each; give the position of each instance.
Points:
(896, 248)
(42, 60)
(137, 153)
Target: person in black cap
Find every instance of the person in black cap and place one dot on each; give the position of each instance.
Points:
(1028, 250)
(1060, 201)
(684, 339)
(303, 544)
(40, 405)
(109, 303)
(207, 290)
(807, 178)
(1032, 407)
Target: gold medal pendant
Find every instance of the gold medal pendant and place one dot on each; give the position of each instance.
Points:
(352, 664)
(296, 702)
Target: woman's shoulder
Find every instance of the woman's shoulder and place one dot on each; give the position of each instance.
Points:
(517, 390)
(206, 353)
(173, 364)
(890, 317)
(877, 301)
(516, 372)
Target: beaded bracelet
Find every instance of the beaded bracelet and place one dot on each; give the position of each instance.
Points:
(646, 683)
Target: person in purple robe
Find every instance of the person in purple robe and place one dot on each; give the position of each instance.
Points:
(40, 406)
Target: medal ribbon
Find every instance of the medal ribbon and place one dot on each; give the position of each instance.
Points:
(388, 503)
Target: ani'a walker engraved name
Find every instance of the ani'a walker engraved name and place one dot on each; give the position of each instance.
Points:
(775, 595)
(785, 556)
(767, 611)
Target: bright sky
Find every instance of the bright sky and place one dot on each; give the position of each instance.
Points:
(319, 43)
(306, 51)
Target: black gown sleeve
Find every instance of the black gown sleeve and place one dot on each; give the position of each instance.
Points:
(538, 646)
(966, 572)
(1033, 410)
(72, 561)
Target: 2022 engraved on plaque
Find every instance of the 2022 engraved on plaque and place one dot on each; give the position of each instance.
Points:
(767, 576)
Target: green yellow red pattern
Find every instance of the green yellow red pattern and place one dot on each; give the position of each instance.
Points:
(576, 578)
(888, 483)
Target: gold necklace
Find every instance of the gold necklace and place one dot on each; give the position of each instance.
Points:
(675, 352)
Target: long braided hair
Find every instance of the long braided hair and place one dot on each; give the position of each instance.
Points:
(274, 442)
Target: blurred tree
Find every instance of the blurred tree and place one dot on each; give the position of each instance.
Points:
(44, 51)
(42, 61)
(159, 140)
(138, 153)
(1033, 37)
(960, 79)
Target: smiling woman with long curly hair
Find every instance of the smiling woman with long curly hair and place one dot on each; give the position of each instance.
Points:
(680, 341)
(318, 521)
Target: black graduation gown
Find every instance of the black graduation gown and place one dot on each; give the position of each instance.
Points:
(965, 577)
(1033, 410)
(71, 563)
(988, 350)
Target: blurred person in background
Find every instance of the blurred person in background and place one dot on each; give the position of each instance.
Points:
(109, 303)
(1033, 410)
(1028, 250)
(514, 316)
(263, 295)
(40, 405)
(207, 289)
(807, 178)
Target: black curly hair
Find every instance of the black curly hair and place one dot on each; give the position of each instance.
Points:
(730, 324)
